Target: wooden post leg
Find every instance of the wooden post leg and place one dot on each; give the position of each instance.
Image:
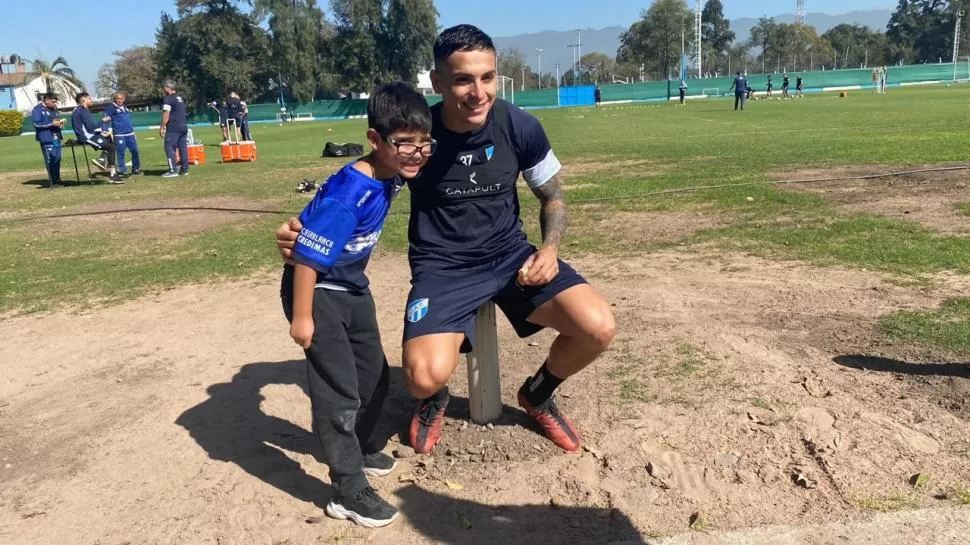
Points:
(484, 387)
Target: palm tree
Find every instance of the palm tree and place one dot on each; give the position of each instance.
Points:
(58, 77)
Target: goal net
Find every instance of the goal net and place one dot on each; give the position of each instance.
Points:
(510, 83)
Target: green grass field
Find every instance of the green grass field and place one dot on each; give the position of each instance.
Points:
(615, 159)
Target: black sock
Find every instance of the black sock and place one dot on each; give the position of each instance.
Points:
(440, 395)
(541, 386)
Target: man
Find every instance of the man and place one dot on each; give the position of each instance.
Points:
(238, 111)
(683, 92)
(47, 132)
(784, 87)
(222, 109)
(598, 96)
(770, 84)
(467, 245)
(90, 132)
(740, 86)
(799, 93)
(123, 132)
(174, 130)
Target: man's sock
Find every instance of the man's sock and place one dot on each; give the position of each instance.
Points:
(440, 395)
(541, 386)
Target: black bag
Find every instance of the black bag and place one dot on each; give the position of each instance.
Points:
(342, 150)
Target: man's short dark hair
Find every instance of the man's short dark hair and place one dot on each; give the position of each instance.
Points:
(461, 38)
(79, 96)
(49, 96)
(397, 107)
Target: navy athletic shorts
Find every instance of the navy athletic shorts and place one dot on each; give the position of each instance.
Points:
(446, 301)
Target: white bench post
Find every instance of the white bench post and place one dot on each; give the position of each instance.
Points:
(484, 387)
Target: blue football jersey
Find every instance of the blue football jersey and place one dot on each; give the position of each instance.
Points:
(341, 226)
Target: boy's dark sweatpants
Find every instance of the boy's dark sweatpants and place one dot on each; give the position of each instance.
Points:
(348, 379)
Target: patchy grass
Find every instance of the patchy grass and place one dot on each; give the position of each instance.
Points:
(947, 327)
(627, 163)
(894, 502)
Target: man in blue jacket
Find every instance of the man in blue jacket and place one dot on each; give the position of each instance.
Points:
(88, 131)
(47, 131)
(123, 132)
(740, 87)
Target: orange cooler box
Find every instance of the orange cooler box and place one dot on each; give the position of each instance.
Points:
(196, 155)
(239, 151)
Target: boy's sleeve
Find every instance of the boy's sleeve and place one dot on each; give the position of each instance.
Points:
(327, 226)
(536, 159)
(38, 119)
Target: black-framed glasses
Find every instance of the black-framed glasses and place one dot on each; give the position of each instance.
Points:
(410, 149)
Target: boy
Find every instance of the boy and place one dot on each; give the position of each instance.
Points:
(90, 132)
(124, 133)
(330, 309)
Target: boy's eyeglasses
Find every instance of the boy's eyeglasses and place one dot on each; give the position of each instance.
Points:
(408, 149)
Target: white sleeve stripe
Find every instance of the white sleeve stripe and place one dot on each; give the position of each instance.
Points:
(167, 108)
(543, 171)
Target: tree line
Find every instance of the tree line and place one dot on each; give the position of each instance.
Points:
(267, 48)
(919, 31)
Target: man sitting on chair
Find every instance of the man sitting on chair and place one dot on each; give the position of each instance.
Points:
(89, 132)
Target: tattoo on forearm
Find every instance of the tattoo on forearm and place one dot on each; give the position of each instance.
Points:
(552, 218)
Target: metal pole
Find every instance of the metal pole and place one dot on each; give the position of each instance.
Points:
(956, 42)
(539, 54)
(579, 44)
(558, 103)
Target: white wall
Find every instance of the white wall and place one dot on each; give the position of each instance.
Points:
(26, 96)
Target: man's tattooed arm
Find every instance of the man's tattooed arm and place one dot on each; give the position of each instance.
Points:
(552, 217)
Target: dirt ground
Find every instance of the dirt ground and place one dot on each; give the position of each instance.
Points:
(739, 393)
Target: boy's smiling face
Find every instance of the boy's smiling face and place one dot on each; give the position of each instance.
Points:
(401, 153)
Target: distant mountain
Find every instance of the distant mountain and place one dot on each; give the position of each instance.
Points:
(607, 40)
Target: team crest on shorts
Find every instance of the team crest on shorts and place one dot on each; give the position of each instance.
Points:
(417, 309)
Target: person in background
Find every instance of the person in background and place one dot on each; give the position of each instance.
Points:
(174, 130)
(239, 111)
(799, 93)
(90, 132)
(770, 85)
(784, 87)
(47, 132)
(598, 96)
(683, 92)
(220, 108)
(123, 133)
(740, 87)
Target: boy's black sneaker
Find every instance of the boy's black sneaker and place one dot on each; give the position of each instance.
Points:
(378, 464)
(366, 508)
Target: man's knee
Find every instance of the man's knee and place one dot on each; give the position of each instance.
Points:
(600, 329)
(426, 370)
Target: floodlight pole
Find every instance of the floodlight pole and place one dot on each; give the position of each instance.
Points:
(956, 42)
(539, 54)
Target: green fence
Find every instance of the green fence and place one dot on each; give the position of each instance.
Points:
(652, 90)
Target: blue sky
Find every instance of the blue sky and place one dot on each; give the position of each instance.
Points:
(110, 26)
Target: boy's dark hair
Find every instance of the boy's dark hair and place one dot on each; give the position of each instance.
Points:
(49, 96)
(79, 96)
(461, 38)
(398, 107)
